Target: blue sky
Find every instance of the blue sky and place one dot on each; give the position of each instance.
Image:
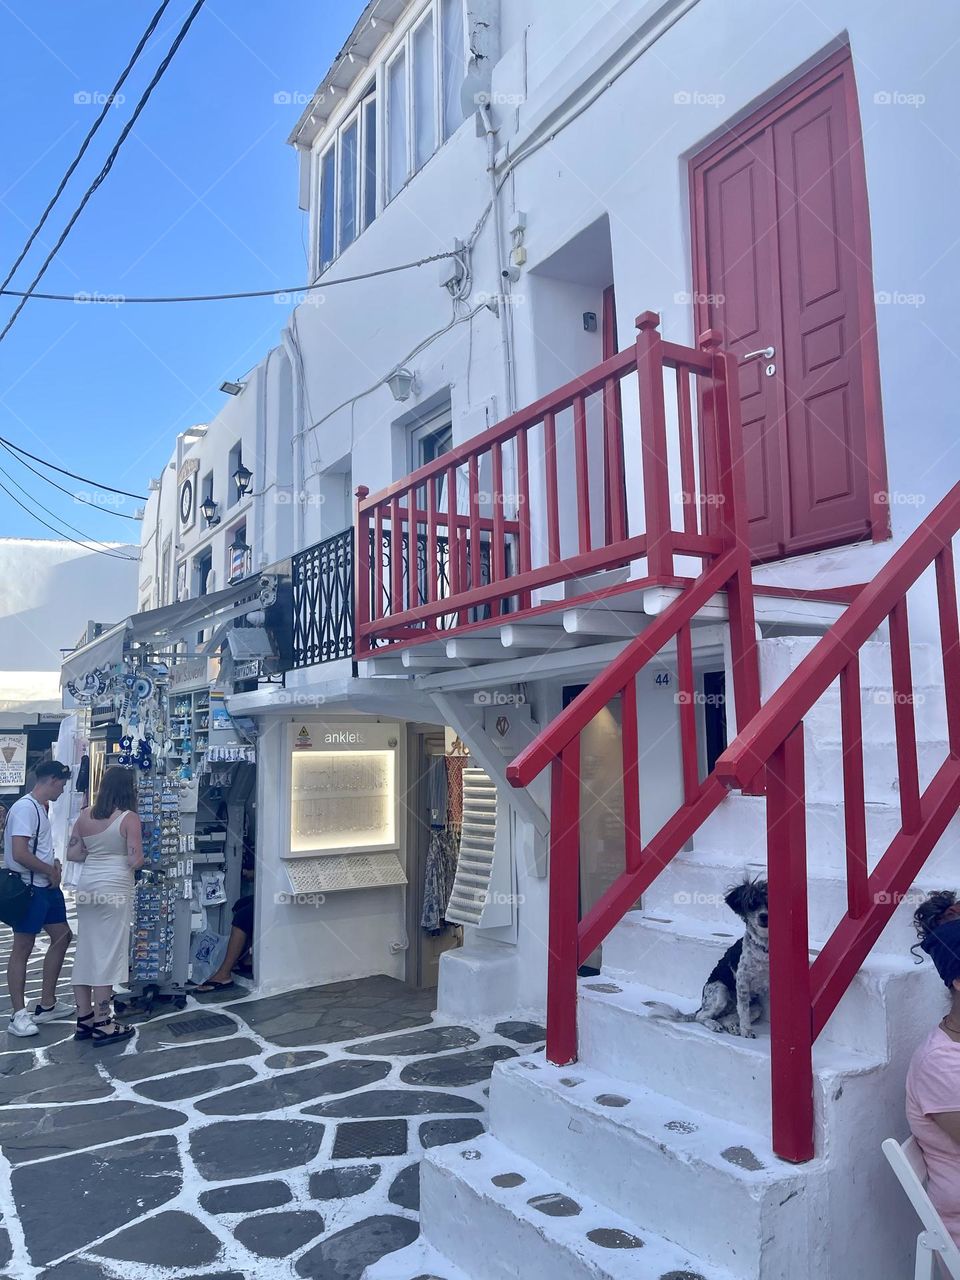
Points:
(202, 198)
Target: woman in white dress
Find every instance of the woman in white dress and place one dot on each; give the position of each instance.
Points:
(107, 840)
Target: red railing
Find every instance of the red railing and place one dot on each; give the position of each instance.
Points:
(457, 541)
(804, 995)
(572, 940)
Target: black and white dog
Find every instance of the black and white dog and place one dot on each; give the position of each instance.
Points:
(736, 992)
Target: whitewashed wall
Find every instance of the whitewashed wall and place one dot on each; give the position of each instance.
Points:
(51, 590)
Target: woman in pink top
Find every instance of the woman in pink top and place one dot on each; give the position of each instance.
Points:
(933, 1080)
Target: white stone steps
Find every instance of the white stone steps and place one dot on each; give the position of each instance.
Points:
(694, 885)
(823, 768)
(738, 827)
(677, 956)
(492, 1232)
(416, 1262)
(723, 1075)
(640, 1153)
(781, 656)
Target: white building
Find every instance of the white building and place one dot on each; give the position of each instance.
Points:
(781, 176)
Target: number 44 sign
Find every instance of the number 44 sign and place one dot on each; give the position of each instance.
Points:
(663, 679)
(13, 759)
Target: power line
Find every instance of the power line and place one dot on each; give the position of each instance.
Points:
(124, 133)
(59, 532)
(75, 496)
(53, 514)
(72, 474)
(121, 299)
(110, 99)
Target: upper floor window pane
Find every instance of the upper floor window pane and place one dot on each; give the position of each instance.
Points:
(424, 93)
(349, 160)
(397, 169)
(369, 160)
(452, 62)
(328, 208)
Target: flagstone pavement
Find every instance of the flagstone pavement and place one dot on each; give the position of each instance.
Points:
(276, 1137)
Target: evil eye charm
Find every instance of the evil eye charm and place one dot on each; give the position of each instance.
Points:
(145, 763)
(130, 682)
(125, 759)
(143, 687)
(126, 742)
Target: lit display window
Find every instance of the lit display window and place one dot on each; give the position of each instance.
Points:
(343, 800)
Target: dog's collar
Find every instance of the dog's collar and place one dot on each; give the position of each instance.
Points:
(755, 941)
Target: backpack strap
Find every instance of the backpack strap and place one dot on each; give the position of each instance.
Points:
(36, 837)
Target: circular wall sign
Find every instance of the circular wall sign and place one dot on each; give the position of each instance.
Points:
(186, 502)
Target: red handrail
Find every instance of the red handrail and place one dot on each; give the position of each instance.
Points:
(804, 995)
(495, 553)
(558, 744)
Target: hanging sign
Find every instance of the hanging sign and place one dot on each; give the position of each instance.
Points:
(13, 759)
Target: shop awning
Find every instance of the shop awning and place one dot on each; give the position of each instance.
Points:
(160, 627)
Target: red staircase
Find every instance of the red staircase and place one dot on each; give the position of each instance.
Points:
(769, 751)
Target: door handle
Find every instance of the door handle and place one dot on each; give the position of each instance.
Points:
(765, 353)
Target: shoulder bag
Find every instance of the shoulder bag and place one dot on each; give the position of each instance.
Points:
(15, 894)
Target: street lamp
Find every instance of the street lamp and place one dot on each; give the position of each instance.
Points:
(242, 478)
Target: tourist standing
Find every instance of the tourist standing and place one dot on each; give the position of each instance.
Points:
(28, 850)
(107, 839)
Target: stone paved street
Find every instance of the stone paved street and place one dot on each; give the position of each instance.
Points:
(246, 1137)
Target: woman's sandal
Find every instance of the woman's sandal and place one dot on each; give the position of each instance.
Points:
(119, 1032)
(84, 1030)
(209, 987)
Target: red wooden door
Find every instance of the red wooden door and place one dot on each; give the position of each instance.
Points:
(779, 224)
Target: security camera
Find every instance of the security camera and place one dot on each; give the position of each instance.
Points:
(511, 273)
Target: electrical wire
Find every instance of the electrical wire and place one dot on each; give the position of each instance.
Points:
(55, 516)
(110, 99)
(75, 496)
(108, 165)
(97, 484)
(308, 431)
(59, 532)
(120, 299)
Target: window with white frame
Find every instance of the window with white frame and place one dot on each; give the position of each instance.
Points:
(398, 160)
(410, 108)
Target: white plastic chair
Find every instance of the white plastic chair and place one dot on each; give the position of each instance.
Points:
(906, 1161)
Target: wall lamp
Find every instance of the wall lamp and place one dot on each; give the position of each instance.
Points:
(402, 382)
(242, 478)
(231, 388)
(210, 512)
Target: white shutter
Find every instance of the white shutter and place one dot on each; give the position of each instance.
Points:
(477, 844)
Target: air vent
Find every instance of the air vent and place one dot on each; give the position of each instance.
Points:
(471, 886)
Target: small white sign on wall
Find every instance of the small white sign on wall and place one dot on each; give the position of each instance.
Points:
(13, 759)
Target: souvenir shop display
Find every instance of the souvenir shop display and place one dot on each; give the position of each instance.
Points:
(142, 718)
(195, 783)
(162, 883)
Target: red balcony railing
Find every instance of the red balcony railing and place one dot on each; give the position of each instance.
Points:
(542, 497)
(804, 995)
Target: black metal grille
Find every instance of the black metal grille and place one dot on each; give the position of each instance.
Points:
(323, 601)
(445, 622)
(323, 591)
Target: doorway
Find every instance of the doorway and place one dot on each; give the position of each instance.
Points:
(781, 239)
(426, 825)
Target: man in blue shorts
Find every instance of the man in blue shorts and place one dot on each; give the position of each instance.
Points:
(28, 849)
